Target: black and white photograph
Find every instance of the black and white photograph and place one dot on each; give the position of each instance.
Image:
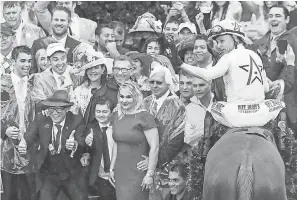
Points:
(148, 100)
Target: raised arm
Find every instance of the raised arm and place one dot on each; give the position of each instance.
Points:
(208, 74)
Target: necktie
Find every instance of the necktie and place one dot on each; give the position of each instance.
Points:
(105, 141)
(62, 79)
(57, 139)
(154, 109)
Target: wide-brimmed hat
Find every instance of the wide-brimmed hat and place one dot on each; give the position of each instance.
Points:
(60, 98)
(93, 59)
(145, 59)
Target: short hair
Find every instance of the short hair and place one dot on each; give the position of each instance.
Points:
(61, 8)
(101, 26)
(209, 43)
(184, 73)
(20, 49)
(104, 101)
(173, 20)
(123, 58)
(168, 78)
(285, 10)
(181, 168)
(157, 40)
(11, 4)
(118, 27)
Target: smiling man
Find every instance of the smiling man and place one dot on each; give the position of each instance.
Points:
(60, 22)
(16, 114)
(57, 78)
(178, 183)
(25, 33)
(277, 65)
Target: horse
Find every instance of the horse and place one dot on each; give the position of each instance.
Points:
(244, 164)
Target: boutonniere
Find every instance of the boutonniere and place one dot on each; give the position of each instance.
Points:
(47, 126)
(66, 127)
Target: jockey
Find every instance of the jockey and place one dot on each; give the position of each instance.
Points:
(244, 77)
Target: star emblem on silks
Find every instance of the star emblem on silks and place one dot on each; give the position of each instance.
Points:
(254, 71)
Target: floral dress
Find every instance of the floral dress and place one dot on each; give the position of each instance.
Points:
(81, 97)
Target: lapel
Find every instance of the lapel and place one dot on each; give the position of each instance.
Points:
(66, 129)
(164, 104)
(47, 133)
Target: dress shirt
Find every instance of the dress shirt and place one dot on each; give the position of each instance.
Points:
(18, 33)
(110, 143)
(161, 100)
(74, 25)
(55, 132)
(61, 41)
(58, 79)
(20, 87)
(194, 129)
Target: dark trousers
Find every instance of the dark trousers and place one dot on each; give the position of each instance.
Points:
(104, 189)
(16, 186)
(74, 190)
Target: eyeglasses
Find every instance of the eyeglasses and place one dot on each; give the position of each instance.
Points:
(3, 36)
(157, 82)
(58, 110)
(123, 70)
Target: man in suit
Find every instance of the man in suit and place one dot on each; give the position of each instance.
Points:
(278, 66)
(17, 110)
(61, 18)
(80, 28)
(56, 78)
(100, 145)
(25, 32)
(60, 149)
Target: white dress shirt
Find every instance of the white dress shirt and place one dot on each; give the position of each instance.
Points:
(195, 113)
(18, 33)
(61, 41)
(160, 101)
(20, 87)
(67, 79)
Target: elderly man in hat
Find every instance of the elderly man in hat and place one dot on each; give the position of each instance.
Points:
(57, 77)
(7, 44)
(59, 153)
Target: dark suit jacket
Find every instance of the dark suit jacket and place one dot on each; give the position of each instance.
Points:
(71, 43)
(108, 91)
(275, 70)
(98, 149)
(41, 130)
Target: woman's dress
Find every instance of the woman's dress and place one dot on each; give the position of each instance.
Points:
(131, 145)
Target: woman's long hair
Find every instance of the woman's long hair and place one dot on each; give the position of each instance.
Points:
(216, 8)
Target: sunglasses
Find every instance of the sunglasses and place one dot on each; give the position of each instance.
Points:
(157, 82)
(58, 110)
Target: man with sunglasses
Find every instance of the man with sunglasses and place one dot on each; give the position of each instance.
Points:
(8, 41)
(61, 145)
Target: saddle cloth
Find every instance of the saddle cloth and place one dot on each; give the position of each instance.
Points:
(246, 114)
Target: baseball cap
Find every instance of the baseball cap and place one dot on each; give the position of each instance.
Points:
(6, 29)
(54, 47)
(188, 25)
